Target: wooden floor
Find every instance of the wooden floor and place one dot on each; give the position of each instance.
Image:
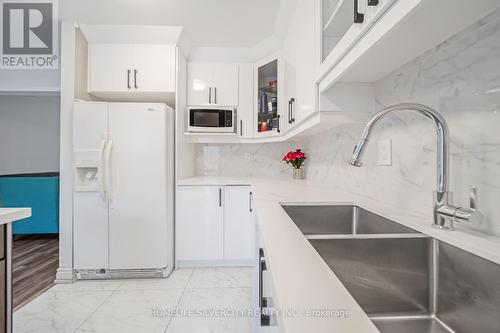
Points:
(34, 264)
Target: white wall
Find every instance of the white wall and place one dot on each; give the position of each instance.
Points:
(29, 134)
(29, 80)
(461, 79)
(185, 152)
(70, 38)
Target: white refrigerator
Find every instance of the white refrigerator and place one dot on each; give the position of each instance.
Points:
(123, 222)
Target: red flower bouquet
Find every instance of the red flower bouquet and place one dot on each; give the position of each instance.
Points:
(295, 158)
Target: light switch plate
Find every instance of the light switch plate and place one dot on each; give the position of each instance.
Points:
(385, 152)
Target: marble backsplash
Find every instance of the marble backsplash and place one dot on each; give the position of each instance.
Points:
(460, 78)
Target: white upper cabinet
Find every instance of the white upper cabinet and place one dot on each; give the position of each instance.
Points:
(269, 96)
(131, 70)
(155, 68)
(110, 68)
(245, 118)
(342, 23)
(365, 40)
(213, 84)
(199, 83)
(339, 19)
(225, 84)
(300, 57)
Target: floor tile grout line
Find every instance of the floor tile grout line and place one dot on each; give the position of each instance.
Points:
(179, 302)
(86, 290)
(95, 310)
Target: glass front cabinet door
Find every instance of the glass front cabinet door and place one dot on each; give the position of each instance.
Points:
(338, 16)
(269, 87)
(343, 24)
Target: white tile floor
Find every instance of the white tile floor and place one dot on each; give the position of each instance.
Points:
(127, 305)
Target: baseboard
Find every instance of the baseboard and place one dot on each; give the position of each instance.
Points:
(65, 275)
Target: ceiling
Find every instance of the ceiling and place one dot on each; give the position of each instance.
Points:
(219, 23)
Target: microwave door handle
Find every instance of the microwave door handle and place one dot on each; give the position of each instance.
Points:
(234, 120)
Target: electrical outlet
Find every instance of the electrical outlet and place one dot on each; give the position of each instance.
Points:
(248, 156)
(385, 152)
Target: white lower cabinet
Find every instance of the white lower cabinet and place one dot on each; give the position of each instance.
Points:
(199, 223)
(239, 226)
(215, 225)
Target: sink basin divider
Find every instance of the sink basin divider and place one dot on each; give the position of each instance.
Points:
(433, 276)
(355, 220)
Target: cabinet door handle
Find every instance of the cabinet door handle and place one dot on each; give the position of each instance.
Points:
(215, 95)
(209, 95)
(278, 129)
(128, 79)
(358, 17)
(241, 127)
(220, 197)
(292, 103)
(372, 2)
(264, 317)
(250, 202)
(290, 111)
(135, 79)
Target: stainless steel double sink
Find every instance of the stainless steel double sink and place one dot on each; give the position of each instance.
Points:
(406, 282)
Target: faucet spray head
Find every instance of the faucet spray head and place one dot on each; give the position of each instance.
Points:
(357, 154)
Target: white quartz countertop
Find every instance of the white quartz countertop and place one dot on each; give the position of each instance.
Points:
(8, 215)
(302, 280)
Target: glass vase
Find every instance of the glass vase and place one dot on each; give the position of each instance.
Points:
(298, 173)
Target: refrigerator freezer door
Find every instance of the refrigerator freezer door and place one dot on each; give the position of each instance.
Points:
(90, 240)
(90, 125)
(138, 174)
(90, 215)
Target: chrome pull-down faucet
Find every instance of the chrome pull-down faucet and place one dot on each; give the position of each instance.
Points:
(443, 211)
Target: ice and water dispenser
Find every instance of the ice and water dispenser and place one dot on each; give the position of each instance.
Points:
(87, 171)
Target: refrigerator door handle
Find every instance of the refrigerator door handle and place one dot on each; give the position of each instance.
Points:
(101, 171)
(107, 163)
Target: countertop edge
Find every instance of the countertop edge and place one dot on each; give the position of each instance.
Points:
(9, 215)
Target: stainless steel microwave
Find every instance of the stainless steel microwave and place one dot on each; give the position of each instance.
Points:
(212, 120)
